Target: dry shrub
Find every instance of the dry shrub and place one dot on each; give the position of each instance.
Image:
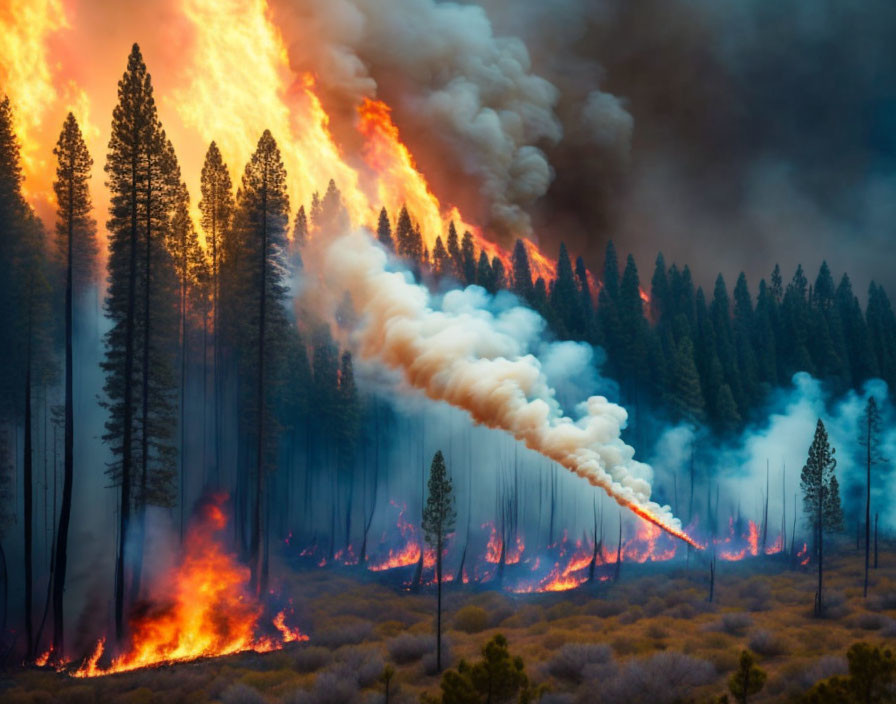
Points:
(733, 623)
(794, 678)
(631, 615)
(724, 660)
(570, 661)
(604, 608)
(240, 693)
(429, 660)
(885, 601)
(656, 631)
(349, 631)
(835, 606)
(767, 643)
(311, 658)
(684, 611)
(554, 639)
(526, 616)
(362, 664)
(388, 629)
(623, 645)
(471, 619)
(663, 678)
(560, 610)
(409, 647)
(329, 688)
(870, 621)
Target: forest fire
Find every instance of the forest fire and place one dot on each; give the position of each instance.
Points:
(201, 608)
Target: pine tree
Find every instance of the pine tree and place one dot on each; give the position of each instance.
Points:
(216, 209)
(439, 516)
(261, 218)
(333, 215)
(384, 231)
(404, 233)
(137, 365)
(869, 440)
(586, 306)
(76, 244)
(453, 247)
(862, 361)
(821, 498)
(522, 274)
(468, 255)
(748, 680)
(882, 331)
(565, 299)
(659, 291)
(632, 336)
(348, 431)
(484, 273)
(686, 397)
(744, 343)
(499, 275)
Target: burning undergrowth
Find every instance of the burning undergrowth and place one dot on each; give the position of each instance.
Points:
(201, 607)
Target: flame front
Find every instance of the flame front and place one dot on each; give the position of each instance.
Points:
(202, 608)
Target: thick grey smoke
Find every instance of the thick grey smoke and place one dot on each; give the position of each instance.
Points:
(478, 354)
(449, 76)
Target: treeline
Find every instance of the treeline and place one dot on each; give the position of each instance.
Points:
(703, 359)
(211, 379)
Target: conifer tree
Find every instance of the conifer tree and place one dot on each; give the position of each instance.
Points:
(565, 299)
(747, 680)
(499, 275)
(76, 245)
(586, 307)
(384, 231)
(821, 498)
(439, 516)
(137, 364)
(522, 274)
(453, 247)
(468, 255)
(441, 261)
(261, 218)
(869, 440)
(484, 273)
(686, 395)
(404, 233)
(216, 210)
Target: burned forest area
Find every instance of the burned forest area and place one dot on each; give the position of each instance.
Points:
(411, 351)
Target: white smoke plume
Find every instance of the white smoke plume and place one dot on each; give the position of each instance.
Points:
(477, 354)
(441, 66)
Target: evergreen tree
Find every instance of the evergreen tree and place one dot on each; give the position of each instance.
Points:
(139, 303)
(348, 431)
(404, 234)
(586, 306)
(453, 247)
(333, 215)
(484, 273)
(821, 498)
(744, 344)
(659, 291)
(764, 324)
(862, 361)
(77, 248)
(869, 440)
(565, 299)
(747, 680)
(216, 207)
(441, 261)
(686, 397)
(384, 231)
(468, 255)
(632, 359)
(300, 229)
(439, 516)
(261, 218)
(522, 274)
(882, 331)
(499, 275)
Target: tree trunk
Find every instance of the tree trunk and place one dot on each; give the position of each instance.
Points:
(255, 554)
(28, 489)
(439, 602)
(65, 510)
(867, 505)
(875, 540)
(819, 601)
(124, 512)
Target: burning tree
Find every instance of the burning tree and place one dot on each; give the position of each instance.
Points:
(438, 521)
(821, 498)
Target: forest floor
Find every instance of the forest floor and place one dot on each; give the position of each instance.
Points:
(658, 638)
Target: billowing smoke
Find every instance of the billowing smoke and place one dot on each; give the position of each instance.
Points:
(451, 79)
(477, 353)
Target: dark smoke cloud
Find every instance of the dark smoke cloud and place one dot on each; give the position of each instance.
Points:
(763, 132)
(730, 135)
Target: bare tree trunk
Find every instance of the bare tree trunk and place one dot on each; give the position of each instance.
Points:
(439, 602)
(618, 552)
(28, 490)
(868, 440)
(255, 555)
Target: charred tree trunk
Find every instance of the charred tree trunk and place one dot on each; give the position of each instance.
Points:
(255, 554)
(28, 490)
(868, 460)
(875, 540)
(765, 511)
(65, 510)
(819, 599)
(439, 602)
(618, 552)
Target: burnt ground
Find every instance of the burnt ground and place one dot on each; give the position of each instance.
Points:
(653, 636)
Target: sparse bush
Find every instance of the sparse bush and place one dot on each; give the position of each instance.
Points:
(604, 608)
(348, 633)
(885, 601)
(654, 606)
(766, 643)
(663, 678)
(631, 615)
(656, 631)
(734, 624)
(364, 665)
(685, 611)
(409, 647)
(571, 660)
(329, 688)
(471, 619)
(240, 693)
(759, 596)
(311, 658)
(870, 621)
(835, 606)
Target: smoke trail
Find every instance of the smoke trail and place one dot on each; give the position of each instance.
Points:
(477, 360)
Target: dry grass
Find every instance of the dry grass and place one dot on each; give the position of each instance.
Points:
(612, 633)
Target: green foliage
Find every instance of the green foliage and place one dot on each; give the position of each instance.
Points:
(498, 678)
(821, 495)
(747, 680)
(471, 619)
(439, 513)
(871, 679)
